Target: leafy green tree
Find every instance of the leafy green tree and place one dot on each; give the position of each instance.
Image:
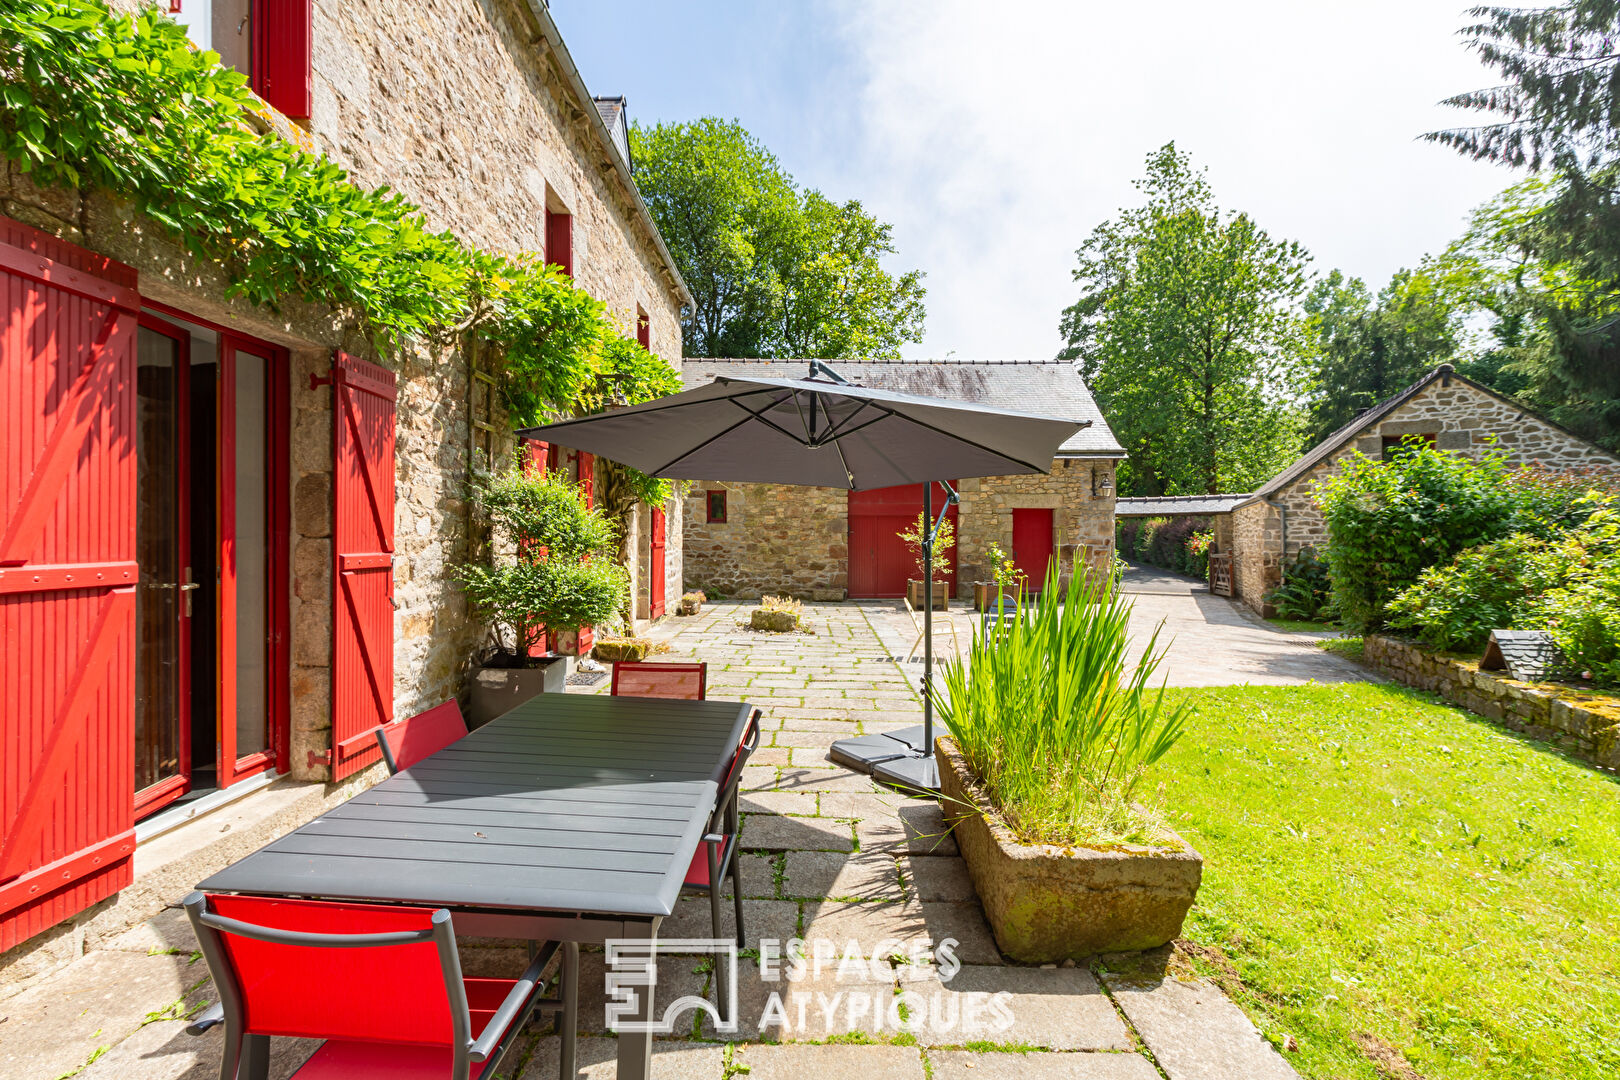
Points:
(1189, 332)
(1370, 347)
(1558, 112)
(775, 270)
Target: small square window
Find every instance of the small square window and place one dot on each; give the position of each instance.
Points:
(1395, 445)
(717, 507)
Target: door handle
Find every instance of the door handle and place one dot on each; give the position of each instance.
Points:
(186, 588)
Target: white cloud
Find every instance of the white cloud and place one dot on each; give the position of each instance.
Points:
(995, 136)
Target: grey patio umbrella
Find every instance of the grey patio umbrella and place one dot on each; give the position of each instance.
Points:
(821, 431)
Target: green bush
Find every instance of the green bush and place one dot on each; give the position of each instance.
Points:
(1055, 721)
(1306, 589)
(1568, 586)
(552, 563)
(1388, 521)
(1179, 543)
(1455, 607)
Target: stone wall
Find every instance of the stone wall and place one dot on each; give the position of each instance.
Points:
(1585, 725)
(778, 538)
(1256, 549)
(1081, 520)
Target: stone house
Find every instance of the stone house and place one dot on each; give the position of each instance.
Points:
(1265, 530)
(832, 544)
(229, 530)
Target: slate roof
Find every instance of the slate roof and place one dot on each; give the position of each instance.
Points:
(1042, 387)
(1172, 505)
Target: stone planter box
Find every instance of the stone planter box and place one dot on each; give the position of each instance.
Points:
(1045, 903)
(942, 596)
(498, 690)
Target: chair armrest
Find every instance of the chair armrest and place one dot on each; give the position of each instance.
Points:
(715, 838)
(517, 999)
(210, 1017)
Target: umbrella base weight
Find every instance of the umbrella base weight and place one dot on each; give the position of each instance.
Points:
(902, 758)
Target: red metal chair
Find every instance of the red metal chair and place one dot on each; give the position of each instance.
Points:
(638, 679)
(405, 742)
(381, 984)
(717, 855)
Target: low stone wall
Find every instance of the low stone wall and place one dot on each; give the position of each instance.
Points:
(1586, 725)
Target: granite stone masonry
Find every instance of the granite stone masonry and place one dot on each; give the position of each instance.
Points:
(1450, 412)
(475, 112)
(1582, 724)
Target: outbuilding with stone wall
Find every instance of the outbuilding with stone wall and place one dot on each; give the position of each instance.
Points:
(830, 544)
(1271, 526)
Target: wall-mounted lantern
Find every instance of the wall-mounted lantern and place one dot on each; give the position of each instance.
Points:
(1102, 481)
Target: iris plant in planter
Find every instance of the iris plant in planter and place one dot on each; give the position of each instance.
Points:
(1053, 735)
(551, 568)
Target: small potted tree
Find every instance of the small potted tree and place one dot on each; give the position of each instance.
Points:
(944, 538)
(1002, 592)
(550, 568)
(1053, 731)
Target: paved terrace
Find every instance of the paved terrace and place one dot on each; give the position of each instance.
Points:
(828, 856)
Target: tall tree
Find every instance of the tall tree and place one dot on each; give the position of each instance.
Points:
(775, 270)
(1189, 332)
(1558, 112)
(1370, 347)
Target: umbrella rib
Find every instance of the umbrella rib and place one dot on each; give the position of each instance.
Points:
(716, 436)
(970, 442)
(762, 418)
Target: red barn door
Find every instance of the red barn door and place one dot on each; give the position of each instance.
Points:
(880, 563)
(363, 547)
(68, 327)
(1032, 546)
(655, 571)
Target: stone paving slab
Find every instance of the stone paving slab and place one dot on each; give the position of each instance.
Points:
(163, 1051)
(777, 919)
(938, 877)
(597, 1059)
(766, 832)
(1054, 1008)
(677, 977)
(98, 1001)
(1195, 1031)
(771, 801)
(965, 1065)
(834, 1061)
(816, 874)
(917, 827)
(965, 923)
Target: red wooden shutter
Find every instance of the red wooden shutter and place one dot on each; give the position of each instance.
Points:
(68, 327)
(655, 580)
(587, 476)
(281, 55)
(535, 454)
(560, 241)
(363, 550)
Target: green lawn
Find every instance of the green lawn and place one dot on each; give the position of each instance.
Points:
(1379, 863)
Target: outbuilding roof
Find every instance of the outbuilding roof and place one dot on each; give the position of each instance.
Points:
(1042, 387)
(1174, 505)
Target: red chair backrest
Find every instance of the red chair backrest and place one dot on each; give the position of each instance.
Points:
(634, 679)
(386, 993)
(424, 734)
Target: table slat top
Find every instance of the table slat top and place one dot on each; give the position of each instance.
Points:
(568, 803)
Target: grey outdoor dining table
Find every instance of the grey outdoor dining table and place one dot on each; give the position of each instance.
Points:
(571, 818)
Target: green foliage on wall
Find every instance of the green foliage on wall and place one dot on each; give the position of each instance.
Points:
(93, 99)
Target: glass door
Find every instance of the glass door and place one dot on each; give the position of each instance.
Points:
(162, 600)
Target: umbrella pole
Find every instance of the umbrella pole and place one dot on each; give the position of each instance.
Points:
(928, 619)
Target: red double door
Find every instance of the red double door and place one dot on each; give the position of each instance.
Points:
(880, 563)
(1032, 545)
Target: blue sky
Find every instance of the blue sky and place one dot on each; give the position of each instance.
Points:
(996, 136)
